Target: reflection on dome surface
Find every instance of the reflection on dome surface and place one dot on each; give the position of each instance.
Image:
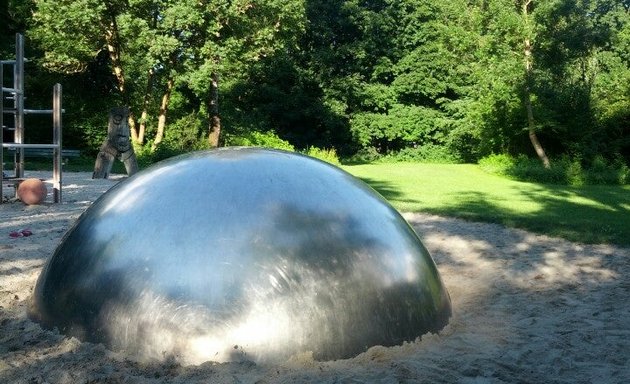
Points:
(241, 253)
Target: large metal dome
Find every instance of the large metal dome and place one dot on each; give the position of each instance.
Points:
(241, 253)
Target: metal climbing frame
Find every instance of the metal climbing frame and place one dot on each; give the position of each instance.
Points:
(16, 94)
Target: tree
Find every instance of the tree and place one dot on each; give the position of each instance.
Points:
(568, 36)
(225, 38)
(74, 34)
(400, 70)
(610, 80)
(474, 77)
(537, 65)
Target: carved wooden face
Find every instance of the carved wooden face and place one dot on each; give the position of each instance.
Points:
(118, 129)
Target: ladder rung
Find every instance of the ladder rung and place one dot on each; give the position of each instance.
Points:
(11, 61)
(32, 111)
(11, 146)
(38, 128)
(11, 90)
(41, 111)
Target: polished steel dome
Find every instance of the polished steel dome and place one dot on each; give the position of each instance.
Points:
(241, 253)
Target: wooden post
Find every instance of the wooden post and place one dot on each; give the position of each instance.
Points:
(57, 135)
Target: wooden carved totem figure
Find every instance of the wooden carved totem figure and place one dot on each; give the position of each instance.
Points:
(116, 146)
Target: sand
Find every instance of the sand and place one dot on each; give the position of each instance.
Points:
(527, 309)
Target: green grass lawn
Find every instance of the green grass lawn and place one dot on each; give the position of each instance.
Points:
(590, 214)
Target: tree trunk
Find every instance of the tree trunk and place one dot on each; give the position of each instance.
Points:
(159, 135)
(132, 127)
(113, 47)
(145, 108)
(147, 93)
(531, 128)
(114, 56)
(143, 126)
(214, 126)
(531, 125)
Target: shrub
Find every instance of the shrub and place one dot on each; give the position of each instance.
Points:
(574, 173)
(267, 139)
(623, 174)
(497, 164)
(428, 153)
(597, 173)
(184, 135)
(146, 155)
(565, 170)
(364, 155)
(603, 172)
(327, 155)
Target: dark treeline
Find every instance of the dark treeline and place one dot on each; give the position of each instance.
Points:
(463, 78)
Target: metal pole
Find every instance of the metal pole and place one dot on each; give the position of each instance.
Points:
(18, 80)
(57, 135)
(1, 132)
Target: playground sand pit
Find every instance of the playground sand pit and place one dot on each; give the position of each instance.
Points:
(527, 308)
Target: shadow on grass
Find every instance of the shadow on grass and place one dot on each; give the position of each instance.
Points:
(601, 217)
(388, 190)
(589, 214)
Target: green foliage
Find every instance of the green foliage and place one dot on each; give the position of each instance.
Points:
(623, 174)
(384, 78)
(422, 154)
(402, 125)
(328, 155)
(275, 94)
(602, 171)
(185, 134)
(93, 135)
(259, 139)
(573, 171)
(530, 169)
(270, 139)
(498, 164)
(364, 155)
(428, 153)
(565, 170)
(70, 31)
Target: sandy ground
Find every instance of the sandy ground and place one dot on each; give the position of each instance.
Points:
(527, 309)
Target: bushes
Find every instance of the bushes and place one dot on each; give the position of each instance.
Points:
(564, 170)
(429, 153)
(187, 143)
(328, 155)
(603, 172)
(500, 164)
(267, 139)
(364, 155)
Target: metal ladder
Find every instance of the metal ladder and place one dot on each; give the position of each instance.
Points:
(16, 94)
